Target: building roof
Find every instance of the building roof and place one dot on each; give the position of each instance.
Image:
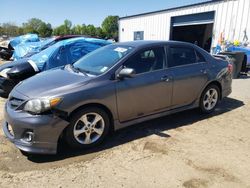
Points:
(169, 9)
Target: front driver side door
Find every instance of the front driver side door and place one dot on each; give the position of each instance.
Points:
(150, 91)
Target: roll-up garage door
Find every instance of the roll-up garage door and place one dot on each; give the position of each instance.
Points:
(193, 28)
(193, 19)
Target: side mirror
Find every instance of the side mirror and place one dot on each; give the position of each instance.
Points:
(126, 73)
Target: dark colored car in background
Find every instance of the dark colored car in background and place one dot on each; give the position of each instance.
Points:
(64, 52)
(113, 87)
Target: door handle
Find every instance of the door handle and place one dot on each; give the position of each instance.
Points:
(165, 78)
(204, 71)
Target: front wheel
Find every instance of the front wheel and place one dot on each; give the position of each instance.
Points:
(87, 128)
(209, 99)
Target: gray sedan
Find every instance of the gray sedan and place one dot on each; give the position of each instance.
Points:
(111, 88)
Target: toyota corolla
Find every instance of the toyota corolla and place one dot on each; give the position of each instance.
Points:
(111, 88)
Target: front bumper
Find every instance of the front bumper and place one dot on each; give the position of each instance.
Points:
(6, 85)
(46, 130)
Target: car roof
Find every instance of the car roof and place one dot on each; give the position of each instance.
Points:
(63, 37)
(82, 39)
(145, 43)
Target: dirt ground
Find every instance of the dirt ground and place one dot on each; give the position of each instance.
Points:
(187, 149)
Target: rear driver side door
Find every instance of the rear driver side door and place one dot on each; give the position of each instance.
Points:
(190, 74)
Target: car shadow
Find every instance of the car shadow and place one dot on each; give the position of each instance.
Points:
(156, 126)
(244, 76)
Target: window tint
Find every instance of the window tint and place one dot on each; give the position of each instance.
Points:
(60, 58)
(101, 60)
(147, 60)
(76, 51)
(181, 56)
(200, 57)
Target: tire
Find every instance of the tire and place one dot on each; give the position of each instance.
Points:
(207, 105)
(83, 133)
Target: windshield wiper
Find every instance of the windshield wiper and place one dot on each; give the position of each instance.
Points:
(81, 70)
(76, 69)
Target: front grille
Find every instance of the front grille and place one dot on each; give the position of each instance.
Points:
(15, 102)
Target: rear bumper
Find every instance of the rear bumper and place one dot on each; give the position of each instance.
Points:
(46, 131)
(226, 92)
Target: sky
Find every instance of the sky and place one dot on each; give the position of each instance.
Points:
(79, 11)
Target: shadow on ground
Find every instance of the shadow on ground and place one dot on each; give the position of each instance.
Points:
(244, 76)
(145, 129)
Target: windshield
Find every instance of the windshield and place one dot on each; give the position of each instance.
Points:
(101, 60)
(46, 43)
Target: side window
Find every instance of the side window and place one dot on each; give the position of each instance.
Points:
(59, 58)
(181, 56)
(200, 57)
(147, 60)
(76, 51)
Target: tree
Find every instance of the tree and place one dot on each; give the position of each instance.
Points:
(77, 30)
(110, 27)
(99, 33)
(45, 30)
(67, 26)
(10, 29)
(91, 30)
(35, 25)
(64, 29)
(1, 30)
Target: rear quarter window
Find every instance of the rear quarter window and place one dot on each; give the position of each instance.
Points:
(200, 57)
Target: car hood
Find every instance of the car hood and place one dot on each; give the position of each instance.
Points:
(51, 83)
(12, 64)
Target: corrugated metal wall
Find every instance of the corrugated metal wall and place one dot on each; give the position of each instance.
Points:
(231, 17)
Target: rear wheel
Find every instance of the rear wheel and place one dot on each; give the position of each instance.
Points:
(87, 128)
(209, 98)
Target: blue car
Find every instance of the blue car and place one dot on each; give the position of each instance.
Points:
(27, 45)
(7, 53)
(61, 53)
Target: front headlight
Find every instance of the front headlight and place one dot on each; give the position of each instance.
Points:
(3, 73)
(37, 106)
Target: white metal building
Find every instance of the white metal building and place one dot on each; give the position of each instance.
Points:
(202, 23)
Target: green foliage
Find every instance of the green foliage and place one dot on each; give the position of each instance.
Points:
(37, 26)
(99, 33)
(88, 30)
(64, 29)
(109, 28)
(77, 30)
(10, 29)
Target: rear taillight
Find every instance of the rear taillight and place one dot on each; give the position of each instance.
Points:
(230, 68)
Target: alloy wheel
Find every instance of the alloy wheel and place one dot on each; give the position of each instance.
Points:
(89, 128)
(210, 99)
